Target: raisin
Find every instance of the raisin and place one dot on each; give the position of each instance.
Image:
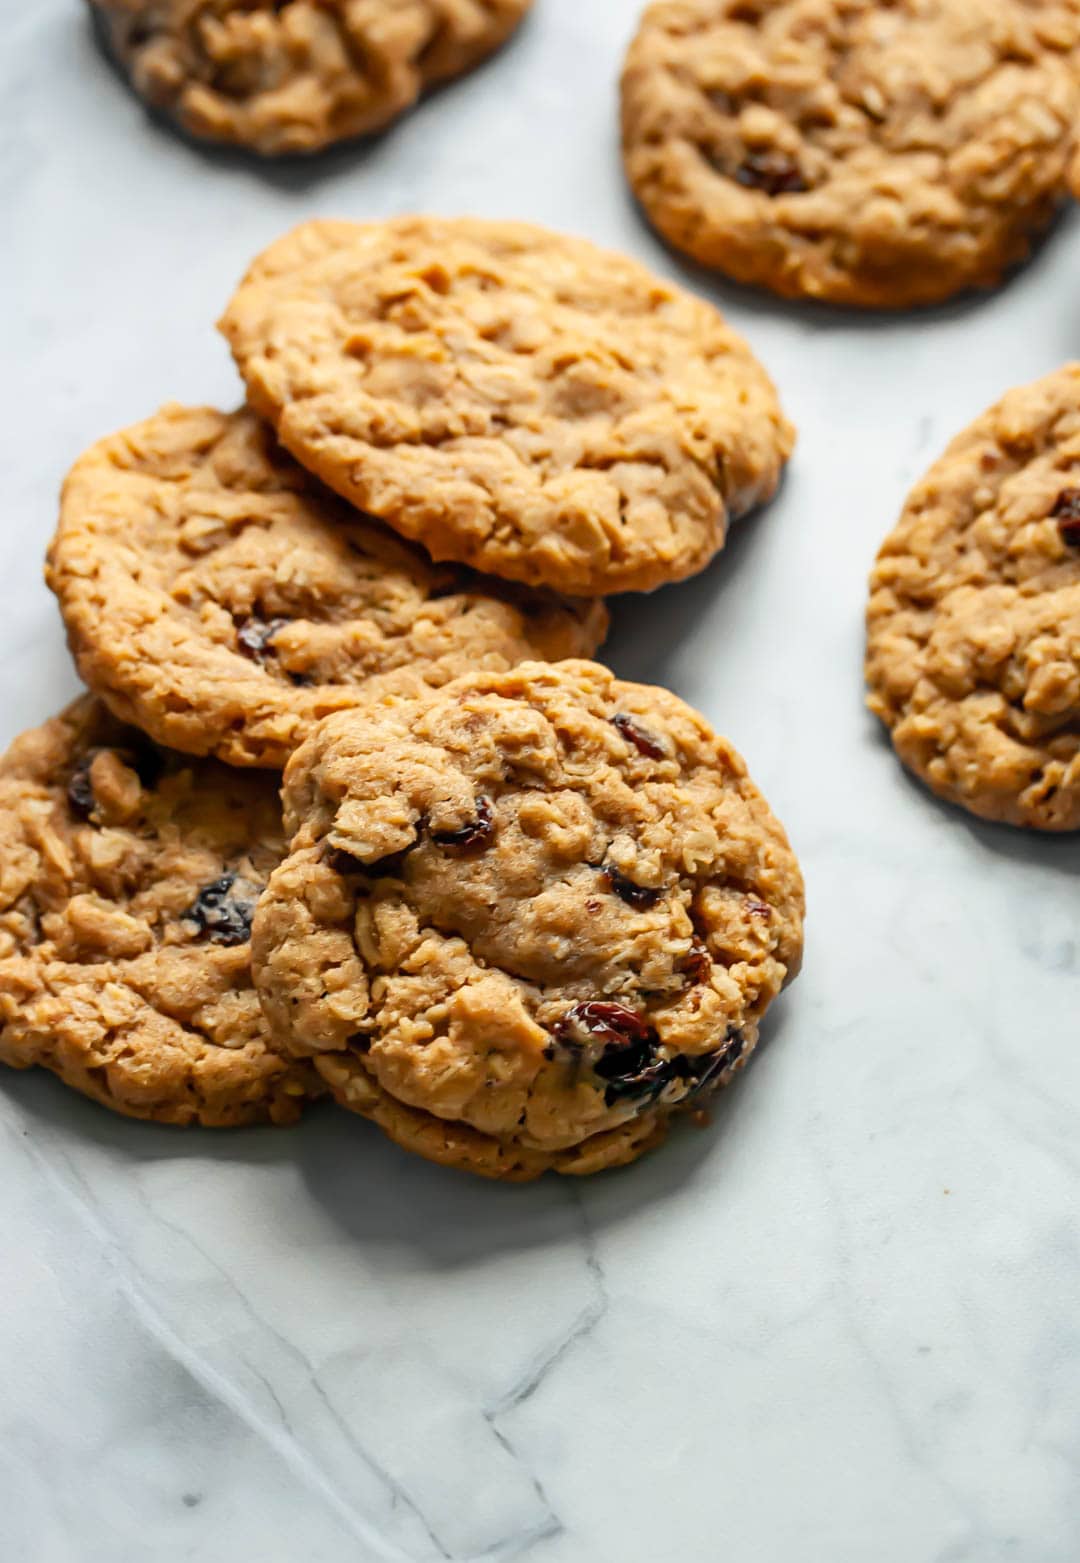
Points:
(474, 836)
(607, 1021)
(146, 761)
(696, 964)
(702, 1070)
(705, 1068)
(644, 742)
(223, 910)
(641, 897)
(629, 1061)
(347, 863)
(626, 1064)
(732, 1051)
(773, 172)
(80, 791)
(1067, 511)
(636, 1072)
(254, 637)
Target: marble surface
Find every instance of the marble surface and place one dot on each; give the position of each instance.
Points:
(841, 1325)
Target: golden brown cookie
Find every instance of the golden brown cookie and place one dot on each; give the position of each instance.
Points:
(281, 76)
(509, 397)
(128, 878)
(524, 921)
(973, 658)
(876, 154)
(221, 599)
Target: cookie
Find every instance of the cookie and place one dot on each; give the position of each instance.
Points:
(525, 921)
(973, 659)
(218, 597)
(882, 155)
(511, 398)
(128, 878)
(284, 76)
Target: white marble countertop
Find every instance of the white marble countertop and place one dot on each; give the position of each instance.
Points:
(841, 1325)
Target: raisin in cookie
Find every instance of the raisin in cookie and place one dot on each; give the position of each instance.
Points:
(511, 398)
(525, 920)
(876, 154)
(128, 878)
(220, 598)
(973, 660)
(282, 76)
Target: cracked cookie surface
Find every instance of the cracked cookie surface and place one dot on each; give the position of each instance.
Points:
(223, 600)
(509, 397)
(973, 658)
(128, 878)
(876, 154)
(525, 920)
(284, 76)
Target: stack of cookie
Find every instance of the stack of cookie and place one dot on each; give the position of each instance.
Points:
(517, 912)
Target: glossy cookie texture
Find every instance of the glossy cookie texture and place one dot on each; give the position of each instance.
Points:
(128, 879)
(511, 398)
(973, 657)
(280, 76)
(223, 600)
(523, 923)
(877, 154)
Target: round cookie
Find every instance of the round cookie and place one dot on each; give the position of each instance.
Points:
(285, 76)
(973, 658)
(128, 877)
(218, 597)
(524, 921)
(882, 155)
(511, 398)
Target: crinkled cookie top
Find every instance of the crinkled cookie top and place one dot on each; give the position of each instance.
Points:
(222, 599)
(883, 153)
(281, 76)
(128, 879)
(544, 907)
(511, 398)
(973, 658)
